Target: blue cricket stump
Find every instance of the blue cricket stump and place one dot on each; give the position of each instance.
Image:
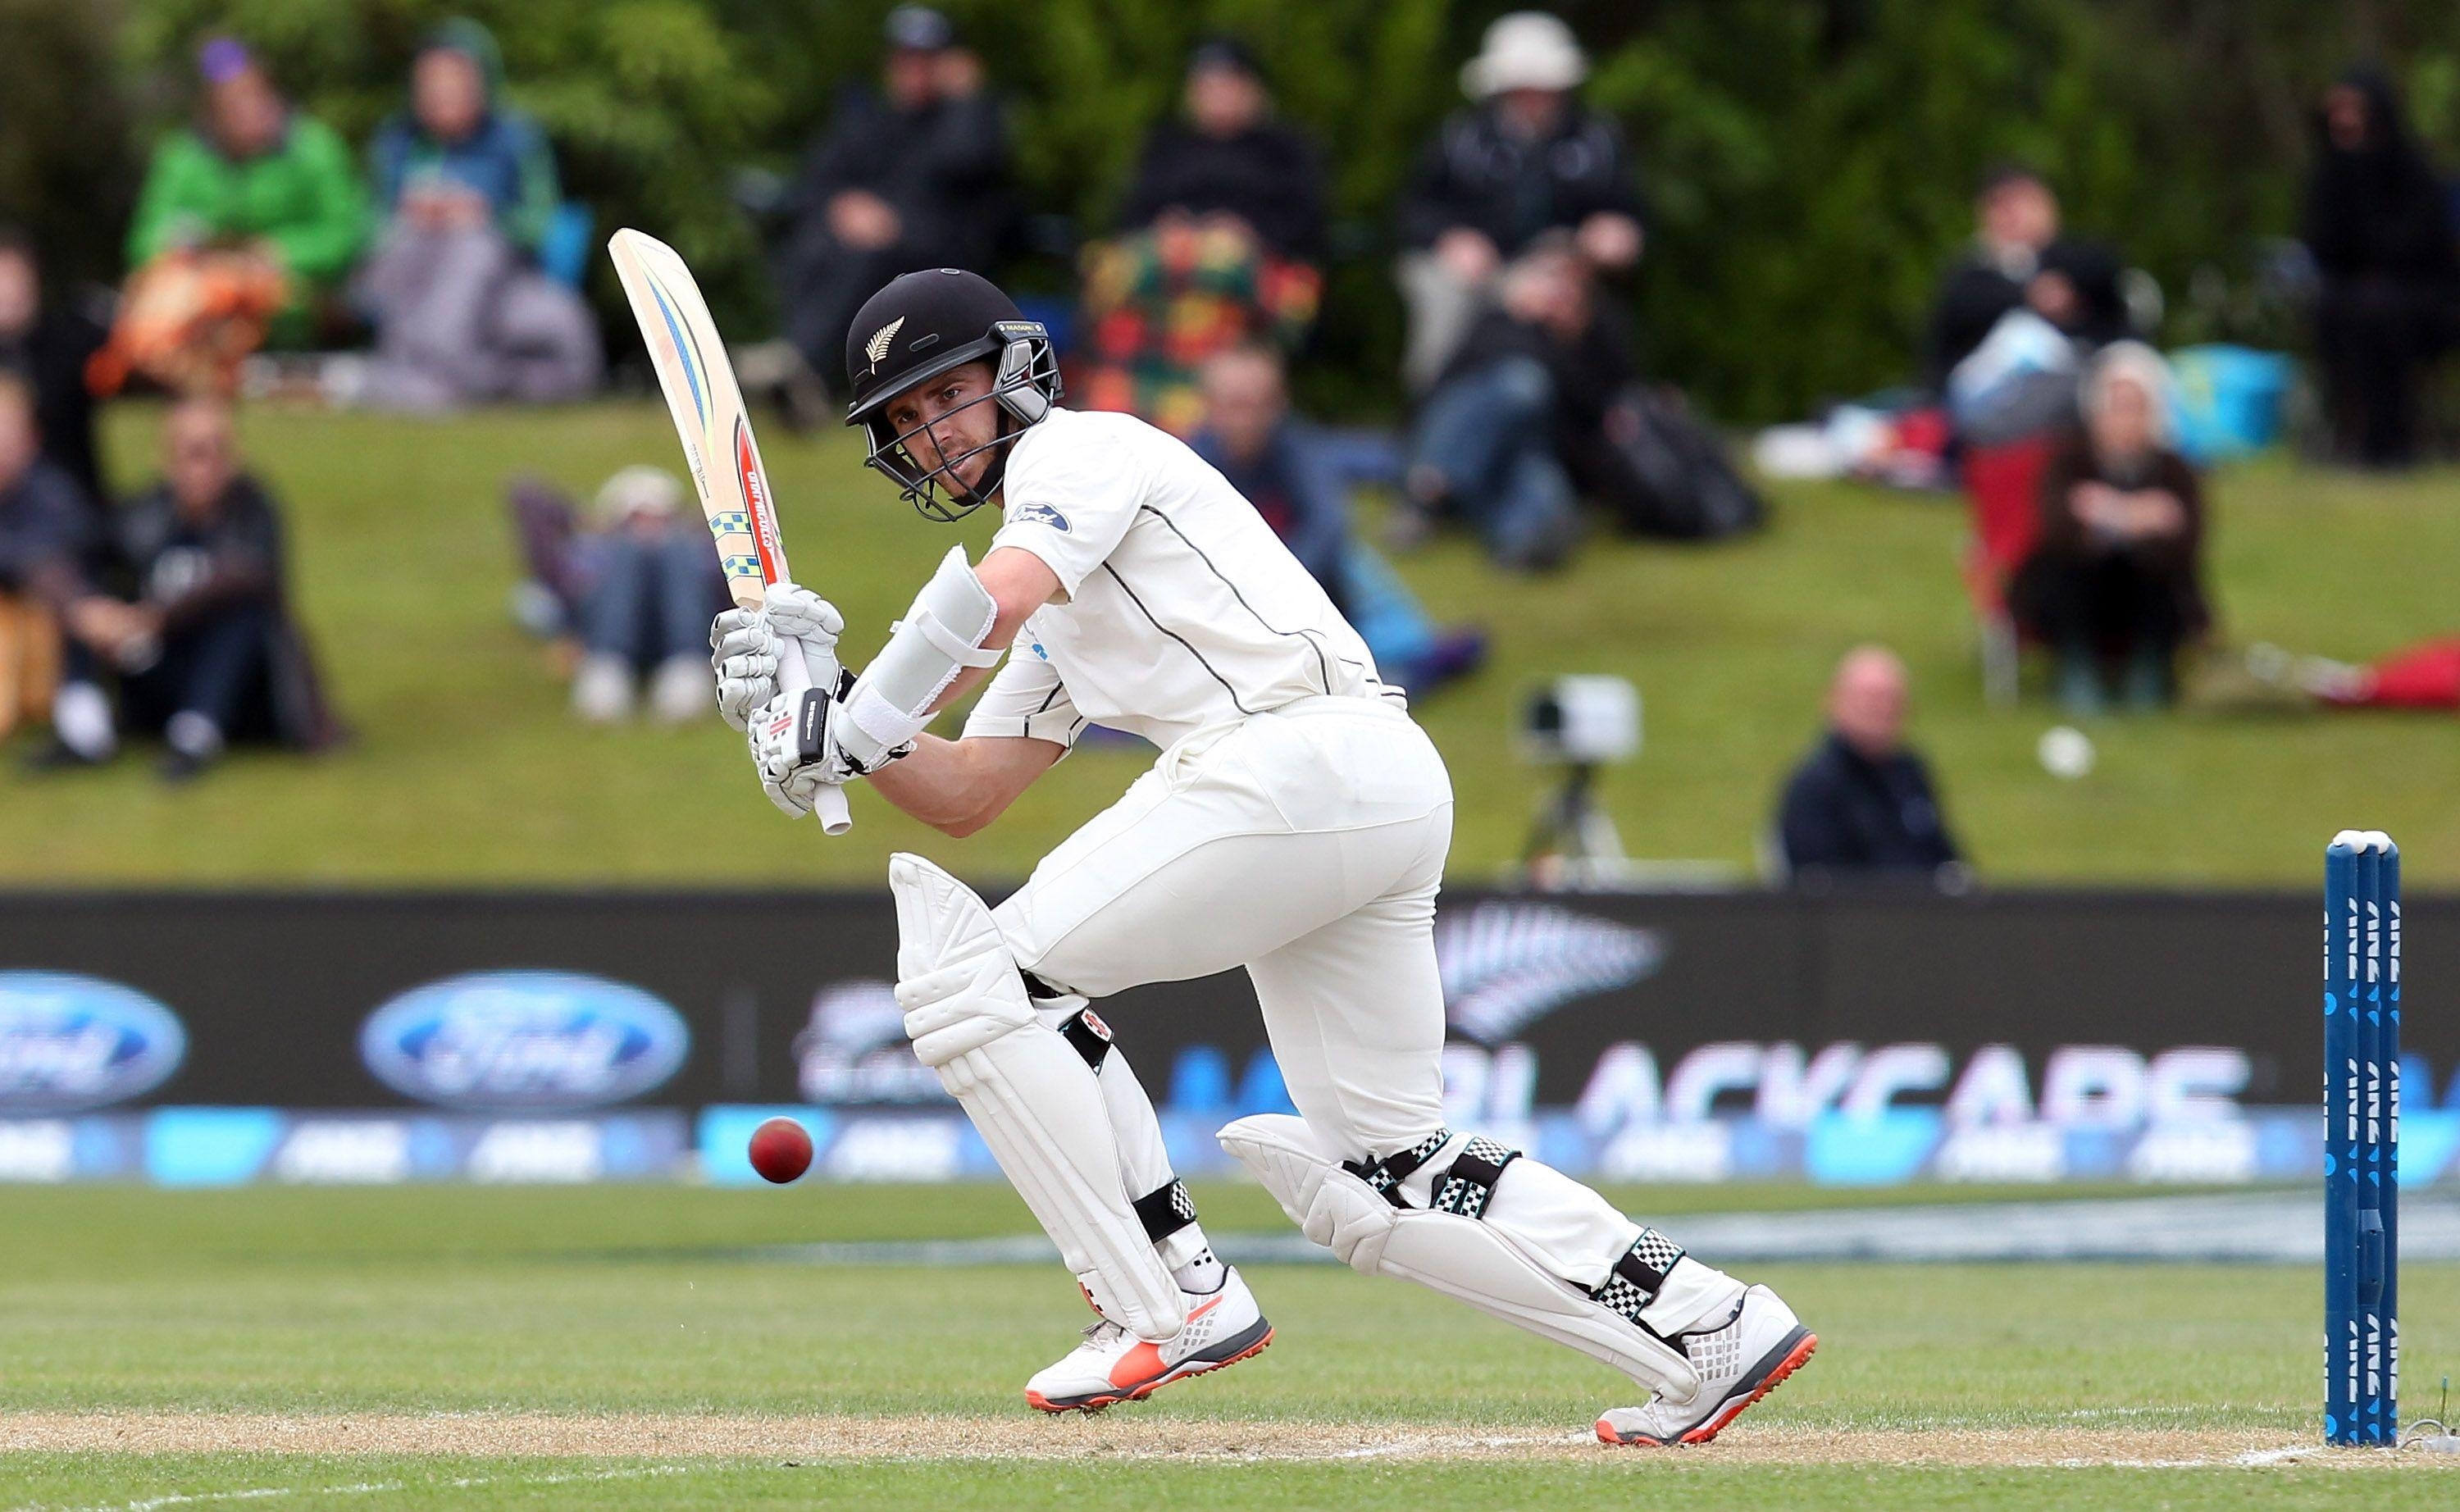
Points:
(2362, 1139)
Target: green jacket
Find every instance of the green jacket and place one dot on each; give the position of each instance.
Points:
(303, 197)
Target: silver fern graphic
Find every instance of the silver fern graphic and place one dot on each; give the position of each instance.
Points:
(877, 347)
(1507, 965)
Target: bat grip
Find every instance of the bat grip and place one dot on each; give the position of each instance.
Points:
(794, 676)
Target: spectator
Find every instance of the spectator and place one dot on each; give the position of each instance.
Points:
(44, 527)
(45, 344)
(205, 651)
(1216, 246)
(1862, 801)
(1299, 476)
(1231, 161)
(1526, 158)
(2122, 521)
(915, 176)
(2389, 253)
(1529, 387)
(643, 587)
(2020, 261)
(468, 186)
(259, 182)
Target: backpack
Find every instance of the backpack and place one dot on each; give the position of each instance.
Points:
(1672, 476)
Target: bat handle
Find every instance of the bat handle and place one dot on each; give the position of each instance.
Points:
(829, 803)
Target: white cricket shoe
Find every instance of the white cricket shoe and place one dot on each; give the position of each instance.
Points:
(1113, 1365)
(1740, 1361)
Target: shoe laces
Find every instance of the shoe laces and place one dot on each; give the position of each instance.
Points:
(1102, 1331)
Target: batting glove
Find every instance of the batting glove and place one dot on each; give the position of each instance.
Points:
(745, 645)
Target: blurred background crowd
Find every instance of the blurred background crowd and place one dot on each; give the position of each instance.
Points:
(1496, 269)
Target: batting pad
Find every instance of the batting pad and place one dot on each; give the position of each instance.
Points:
(1030, 1095)
(1463, 1258)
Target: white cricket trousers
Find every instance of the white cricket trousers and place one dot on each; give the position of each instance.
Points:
(1305, 845)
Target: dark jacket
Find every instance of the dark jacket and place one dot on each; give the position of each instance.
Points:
(192, 570)
(1845, 812)
(2380, 210)
(1268, 176)
(1590, 370)
(943, 168)
(1975, 294)
(2177, 559)
(50, 356)
(1300, 487)
(46, 529)
(1476, 175)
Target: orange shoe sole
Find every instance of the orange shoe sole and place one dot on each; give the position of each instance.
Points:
(1094, 1404)
(1794, 1359)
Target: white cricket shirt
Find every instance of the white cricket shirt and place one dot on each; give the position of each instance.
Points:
(1183, 609)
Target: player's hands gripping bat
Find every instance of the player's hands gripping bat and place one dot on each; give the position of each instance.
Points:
(746, 646)
(717, 434)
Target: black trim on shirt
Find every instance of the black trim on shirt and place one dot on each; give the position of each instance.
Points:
(1235, 702)
(1323, 669)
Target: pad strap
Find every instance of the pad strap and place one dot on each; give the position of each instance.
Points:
(1165, 1211)
(1470, 1185)
(1638, 1275)
(1386, 1175)
(1091, 1037)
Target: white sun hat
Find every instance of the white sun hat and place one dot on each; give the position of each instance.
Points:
(1525, 50)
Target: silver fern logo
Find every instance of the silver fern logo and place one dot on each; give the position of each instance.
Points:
(1507, 965)
(877, 347)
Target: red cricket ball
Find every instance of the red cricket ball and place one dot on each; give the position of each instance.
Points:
(780, 1150)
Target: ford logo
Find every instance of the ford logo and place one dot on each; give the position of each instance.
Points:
(524, 1039)
(70, 1042)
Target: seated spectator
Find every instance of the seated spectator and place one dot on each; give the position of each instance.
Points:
(2019, 262)
(2114, 577)
(637, 590)
(1862, 801)
(1531, 383)
(46, 343)
(914, 175)
(44, 528)
(206, 649)
(1525, 159)
(1299, 476)
(2388, 253)
(257, 184)
(467, 185)
(1218, 238)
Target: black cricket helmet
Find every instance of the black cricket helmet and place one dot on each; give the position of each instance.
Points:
(920, 326)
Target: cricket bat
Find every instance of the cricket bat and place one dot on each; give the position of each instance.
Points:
(707, 408)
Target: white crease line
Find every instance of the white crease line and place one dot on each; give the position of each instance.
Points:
(360, 1488)
(1410, 1446)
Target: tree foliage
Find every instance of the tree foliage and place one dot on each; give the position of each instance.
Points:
(1809, 161)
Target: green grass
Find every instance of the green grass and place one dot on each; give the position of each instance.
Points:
(342, 1303)
(468, 768)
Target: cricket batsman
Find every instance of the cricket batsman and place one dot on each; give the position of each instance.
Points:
(1295, 825)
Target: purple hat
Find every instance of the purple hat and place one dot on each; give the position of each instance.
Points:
(224, 58)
